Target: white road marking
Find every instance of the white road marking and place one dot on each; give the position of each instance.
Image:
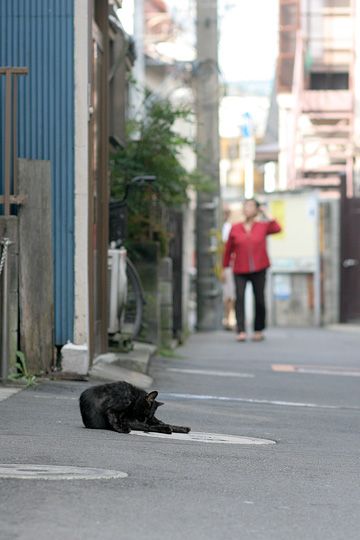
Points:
(52, 396)
(214, 372)
(8, 392)
(327, 372)
(249, 400)
(28, 471)
(212, 438)
(316, 370)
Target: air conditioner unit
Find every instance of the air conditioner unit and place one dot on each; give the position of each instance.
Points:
(117, 288)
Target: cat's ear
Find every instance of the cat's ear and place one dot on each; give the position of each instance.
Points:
(159, 403)
(150, 398)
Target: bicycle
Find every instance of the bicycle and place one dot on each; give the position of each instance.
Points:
(126, 295)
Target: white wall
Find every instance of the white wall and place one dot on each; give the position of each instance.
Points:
(357, 73)
(285, 104)
(81, 24)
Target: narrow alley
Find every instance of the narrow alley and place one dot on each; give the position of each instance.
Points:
(299, 388)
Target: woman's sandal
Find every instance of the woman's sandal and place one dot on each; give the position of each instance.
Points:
(241, 337)
(258, 337)
(228, 327)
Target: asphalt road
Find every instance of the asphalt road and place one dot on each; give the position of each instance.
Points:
(306, 486)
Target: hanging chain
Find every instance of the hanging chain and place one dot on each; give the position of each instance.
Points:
(6, 242)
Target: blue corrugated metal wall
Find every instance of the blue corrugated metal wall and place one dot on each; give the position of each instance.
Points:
(39, 34)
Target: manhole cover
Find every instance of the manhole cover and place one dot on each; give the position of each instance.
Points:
(215, 438)
(56, 472)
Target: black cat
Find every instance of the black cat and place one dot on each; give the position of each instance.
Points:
(121, 407)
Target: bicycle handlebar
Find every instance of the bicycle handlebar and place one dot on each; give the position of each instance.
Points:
(139, 180)
(142, 179)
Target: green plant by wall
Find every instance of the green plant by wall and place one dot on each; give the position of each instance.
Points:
(156, 151)
(22, 374)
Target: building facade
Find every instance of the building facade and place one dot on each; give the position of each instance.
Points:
(316, 89)
(313, 146)
(64, 108)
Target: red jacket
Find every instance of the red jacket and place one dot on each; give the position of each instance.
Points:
(247, 250)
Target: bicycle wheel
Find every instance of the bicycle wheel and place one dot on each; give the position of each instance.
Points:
(133, 312)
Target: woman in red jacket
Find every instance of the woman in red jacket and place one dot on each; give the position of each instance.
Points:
(246, 252)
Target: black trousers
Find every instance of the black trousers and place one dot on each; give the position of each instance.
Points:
(257, 280)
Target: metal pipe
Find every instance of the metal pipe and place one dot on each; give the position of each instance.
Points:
(14, 70)
(10, 135)
(14, 135)
(5, 318)
(8, 112)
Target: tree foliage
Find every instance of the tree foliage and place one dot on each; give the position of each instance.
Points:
(156, 150)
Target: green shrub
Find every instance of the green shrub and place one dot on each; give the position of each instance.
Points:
(156, 151)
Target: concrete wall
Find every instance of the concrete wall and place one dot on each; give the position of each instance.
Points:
(146, 258)
(156, 275)
(166, 301)
(75, 356)
(330, 260)
(296, 309)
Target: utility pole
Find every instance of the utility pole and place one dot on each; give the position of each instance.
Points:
(209, 306)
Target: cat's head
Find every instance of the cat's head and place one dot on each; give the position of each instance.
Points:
(148, 406)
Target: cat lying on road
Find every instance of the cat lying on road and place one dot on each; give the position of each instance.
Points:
(121, 407)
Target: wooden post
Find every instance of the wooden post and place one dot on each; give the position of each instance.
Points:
(9, 229)
(36, 266)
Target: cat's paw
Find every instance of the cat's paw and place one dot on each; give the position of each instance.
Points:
(162, 429)
(180, 429)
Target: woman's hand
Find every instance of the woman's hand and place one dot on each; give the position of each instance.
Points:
(263, 210)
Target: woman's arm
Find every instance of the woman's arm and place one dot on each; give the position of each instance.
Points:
(273, 226)
(228, 250)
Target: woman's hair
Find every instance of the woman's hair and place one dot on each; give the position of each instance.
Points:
(257, 204)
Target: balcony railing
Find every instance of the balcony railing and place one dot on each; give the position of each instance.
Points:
(327, 101)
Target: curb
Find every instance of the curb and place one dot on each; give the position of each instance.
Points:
(131, 367)
(113, 373)
(345, 327)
